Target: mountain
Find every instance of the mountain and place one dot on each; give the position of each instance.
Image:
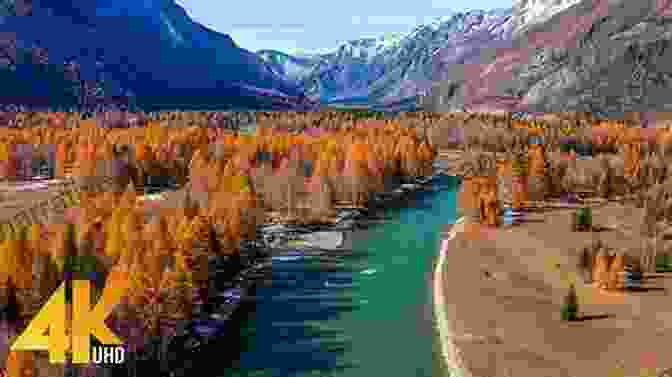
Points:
(607, 57)
(531, 12)
(150, 48)
(295, 66)
(392, 69)
(340, 74)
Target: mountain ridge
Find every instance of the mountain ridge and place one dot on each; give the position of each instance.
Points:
(605, 57)
(386, 71)
(160, 54)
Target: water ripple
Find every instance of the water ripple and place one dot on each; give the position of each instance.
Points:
(313, 316)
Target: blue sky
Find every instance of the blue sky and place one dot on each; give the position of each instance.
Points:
(318, 24)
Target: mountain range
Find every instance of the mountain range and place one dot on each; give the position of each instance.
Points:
(386, 70)
(148, 49)
(607, 57)
(393, 70)
(604, 56)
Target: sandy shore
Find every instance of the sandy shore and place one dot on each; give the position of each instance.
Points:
(449, 351)
(498, 301)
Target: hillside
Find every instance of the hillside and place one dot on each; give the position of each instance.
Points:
(151, 49)
(390, 69)
(605, 57)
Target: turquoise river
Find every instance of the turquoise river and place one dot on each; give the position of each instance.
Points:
(364, 311)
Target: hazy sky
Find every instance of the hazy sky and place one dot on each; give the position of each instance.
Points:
(318, 24)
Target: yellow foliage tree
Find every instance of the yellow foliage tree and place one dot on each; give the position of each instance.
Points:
(23, 274)
(20, 364)
(129, 197)
(114, 244)
(185, 236)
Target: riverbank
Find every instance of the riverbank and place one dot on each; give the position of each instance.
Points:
(202, 333)
(449, 351)
(288, 245)
(500, 300)
(326, 314)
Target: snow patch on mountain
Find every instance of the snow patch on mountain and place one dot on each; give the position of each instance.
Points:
(171, 29)
(531, 12)
(394, 67)
(285, 65)
(606, 57)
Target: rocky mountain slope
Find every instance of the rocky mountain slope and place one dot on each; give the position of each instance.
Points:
(150, 48)
(394, 69)
(531, 12)
(341, 74)
(292, 66)
(603, 56)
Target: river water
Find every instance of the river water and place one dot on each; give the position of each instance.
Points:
(362, 311)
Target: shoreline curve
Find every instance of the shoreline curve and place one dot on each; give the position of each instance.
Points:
(449, 351)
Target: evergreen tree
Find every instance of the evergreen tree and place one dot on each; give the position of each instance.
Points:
(70, 264)
(11, 305)
(570, 305)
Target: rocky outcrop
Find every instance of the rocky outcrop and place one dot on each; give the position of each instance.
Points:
(605, 57)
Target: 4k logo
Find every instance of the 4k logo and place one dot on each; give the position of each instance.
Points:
(86, 321)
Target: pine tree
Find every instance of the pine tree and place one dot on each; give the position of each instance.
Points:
(570, 305)
(20, 364)
(129, 197)
(321, 197)
(13, 307)
(519, 178)
(249, 206)
(24, 268)
(184, 237)
(47, 277)
(426, 155)
(154, 254)
(114, 243)
(35, 237)
(233, 228)
(181, 296)
(70, 264)
(158, 233)
(357, 174)
(138, 278)
(586, 264)
(200, 250)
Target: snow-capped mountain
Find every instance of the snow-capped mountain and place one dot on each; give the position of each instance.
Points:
(348, 71)
(607, 57)
(295, 66)
(392, 68)
(531, 12)
(318, 72)
(366, 49)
